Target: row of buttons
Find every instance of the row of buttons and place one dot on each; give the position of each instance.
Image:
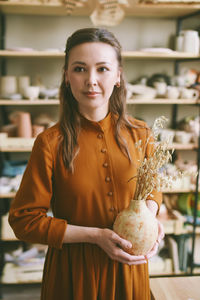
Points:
(105, 165)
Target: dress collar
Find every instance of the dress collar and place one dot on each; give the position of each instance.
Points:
(100, 125)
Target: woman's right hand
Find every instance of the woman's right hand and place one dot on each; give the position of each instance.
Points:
(113, 245)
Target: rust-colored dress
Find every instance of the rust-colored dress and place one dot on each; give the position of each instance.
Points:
(91, 196)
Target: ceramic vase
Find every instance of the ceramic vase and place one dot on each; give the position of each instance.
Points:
(138, 225)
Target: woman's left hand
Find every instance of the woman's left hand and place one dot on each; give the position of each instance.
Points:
(161, 235)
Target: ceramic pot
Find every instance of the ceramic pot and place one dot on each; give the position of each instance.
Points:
(24, 126)
(191, 42)
(8, 85)
(23, 83)
(139, 226)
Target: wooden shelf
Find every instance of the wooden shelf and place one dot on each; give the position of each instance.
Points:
(166, 56)
(163, 101)
(15, 149)
(177, 191)
(17, 144)
(8, 195)
(125, 54)
(179, 146)
(29, 102)
(160, 10)
(32, 54)
(129, 102)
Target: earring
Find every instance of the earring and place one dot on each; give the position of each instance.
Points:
(118, 84)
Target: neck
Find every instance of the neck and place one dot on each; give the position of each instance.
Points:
(96, 114)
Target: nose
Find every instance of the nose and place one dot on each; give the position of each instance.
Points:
(91, 79)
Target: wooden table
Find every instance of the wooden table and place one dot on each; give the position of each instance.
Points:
(175, 288)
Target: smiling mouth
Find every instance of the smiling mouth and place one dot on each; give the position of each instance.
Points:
(91, 94)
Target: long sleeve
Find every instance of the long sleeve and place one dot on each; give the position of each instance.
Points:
(28, 212)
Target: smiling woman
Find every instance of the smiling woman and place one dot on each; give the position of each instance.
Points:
(80, 168)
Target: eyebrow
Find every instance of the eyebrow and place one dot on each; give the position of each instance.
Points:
(84, 64)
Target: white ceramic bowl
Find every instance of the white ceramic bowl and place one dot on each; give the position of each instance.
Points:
(183, 137)
(167, 135)
(31, 92)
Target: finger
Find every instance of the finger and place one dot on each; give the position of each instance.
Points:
(153, 251)
(121, 242)
(131, 258)
(123, 261)
(161, 233)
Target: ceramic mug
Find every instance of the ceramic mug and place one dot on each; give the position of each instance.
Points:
(183, 137)
(23, 83)
(32, 92)
(173, 92)
(8, 85)
(161, 88)
(24, 126)
(189, 93)
(167, 135)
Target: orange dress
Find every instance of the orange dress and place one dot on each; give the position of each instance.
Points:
(91, 196)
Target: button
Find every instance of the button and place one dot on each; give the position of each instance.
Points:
(105, 165)
(103, 150)
(100, 136)
(110, 193)
(112, 209)
(108, 179)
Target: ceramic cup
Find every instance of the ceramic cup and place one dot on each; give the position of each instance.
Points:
(173, 92)
(24, 126)
(183, 137)
(161, 88)
(189, 93)
(167, 135)
(8, 85)
(23, 83)
(32, 92)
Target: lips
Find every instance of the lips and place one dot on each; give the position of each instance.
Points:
(92, 93)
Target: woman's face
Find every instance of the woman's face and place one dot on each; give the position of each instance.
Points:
(92, 73)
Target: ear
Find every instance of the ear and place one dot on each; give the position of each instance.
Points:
(119, 74)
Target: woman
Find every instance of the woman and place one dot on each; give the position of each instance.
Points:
(81, 169)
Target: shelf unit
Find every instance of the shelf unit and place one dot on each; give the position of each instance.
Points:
(135, 10)
(140, 10)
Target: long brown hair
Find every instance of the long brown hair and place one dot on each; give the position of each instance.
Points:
(69, 114)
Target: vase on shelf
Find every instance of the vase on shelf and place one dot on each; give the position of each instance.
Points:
(138, 225)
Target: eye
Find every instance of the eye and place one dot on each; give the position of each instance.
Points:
(79, 69)
(103, 69)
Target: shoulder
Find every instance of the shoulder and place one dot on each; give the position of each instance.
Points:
(49, 136)
(137, 124)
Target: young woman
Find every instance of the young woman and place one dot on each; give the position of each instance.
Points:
(81, 169)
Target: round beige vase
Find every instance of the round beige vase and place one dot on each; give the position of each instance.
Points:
(139, 226)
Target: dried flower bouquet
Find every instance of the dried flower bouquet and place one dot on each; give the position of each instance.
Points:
(151, 174)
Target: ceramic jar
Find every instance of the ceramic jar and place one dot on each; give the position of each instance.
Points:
(24, 126)
(23, 83)
(191, 43)
(8, 85)
(138, 225)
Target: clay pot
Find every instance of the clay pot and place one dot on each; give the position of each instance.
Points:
(139, 226)
(24, 125)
